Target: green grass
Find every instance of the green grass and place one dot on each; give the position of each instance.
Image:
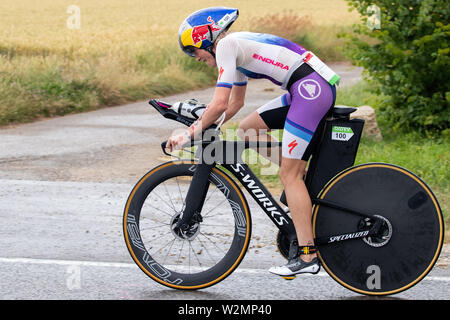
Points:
(54, 86)
(357, 95)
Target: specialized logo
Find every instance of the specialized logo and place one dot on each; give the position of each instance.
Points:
(309, 89)
(221, 70)
(348, 236)
(270, 61)
(292, 145)
(200, 33)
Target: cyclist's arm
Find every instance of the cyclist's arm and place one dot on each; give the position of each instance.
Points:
(226, 64)
(215, 109)
(236, 101)
(237, 94)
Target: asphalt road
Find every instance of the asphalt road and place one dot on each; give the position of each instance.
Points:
(63, 186)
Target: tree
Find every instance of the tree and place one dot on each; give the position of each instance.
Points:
(406, 53)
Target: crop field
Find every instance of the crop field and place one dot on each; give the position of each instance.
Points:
(109, 25)
(59, 57)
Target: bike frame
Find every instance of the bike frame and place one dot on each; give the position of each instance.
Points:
(263, 197)
(242, 172)
(220, 155)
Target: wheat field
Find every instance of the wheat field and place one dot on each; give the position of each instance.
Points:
(120, 51)
(118, 24)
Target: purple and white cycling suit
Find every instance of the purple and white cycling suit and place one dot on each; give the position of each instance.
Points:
(299, 112)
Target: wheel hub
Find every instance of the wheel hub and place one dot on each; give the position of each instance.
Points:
(382, 237)
(189, 234)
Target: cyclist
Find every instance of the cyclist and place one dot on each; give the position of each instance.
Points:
(242, 55)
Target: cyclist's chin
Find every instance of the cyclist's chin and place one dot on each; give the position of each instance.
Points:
(211, 63)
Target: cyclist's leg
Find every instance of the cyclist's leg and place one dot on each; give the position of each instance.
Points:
(312, 97)
(257, 125)
(291, 175)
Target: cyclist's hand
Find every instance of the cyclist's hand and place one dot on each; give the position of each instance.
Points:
(177, 141)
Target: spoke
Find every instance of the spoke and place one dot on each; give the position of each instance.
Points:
(211, 194)
(166, 213)
(214, 225)
(189, 258)
(165, 202)
(212, 242)
(170, 241)
(154, 227)
(179, 255)
(195, 255)
(207, 251)
(214, 215)
(170, 198)
(179, 189)
(215, 208)
(168, 251)
(157, 238)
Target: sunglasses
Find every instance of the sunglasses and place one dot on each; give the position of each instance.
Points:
(190, 50)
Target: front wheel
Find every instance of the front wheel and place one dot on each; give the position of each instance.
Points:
(204, 254)
(408, 244)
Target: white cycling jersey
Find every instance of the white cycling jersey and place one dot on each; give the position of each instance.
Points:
(243, 55)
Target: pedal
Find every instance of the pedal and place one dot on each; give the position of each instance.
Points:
(288, 277)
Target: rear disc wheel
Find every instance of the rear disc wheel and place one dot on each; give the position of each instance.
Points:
(409, 241)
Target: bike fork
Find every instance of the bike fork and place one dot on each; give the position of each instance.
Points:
(195, 196)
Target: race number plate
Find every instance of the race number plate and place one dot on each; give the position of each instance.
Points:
(341, 133)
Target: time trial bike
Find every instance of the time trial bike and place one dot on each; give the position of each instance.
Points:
(187, 223)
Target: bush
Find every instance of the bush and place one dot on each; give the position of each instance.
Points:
(408, 57)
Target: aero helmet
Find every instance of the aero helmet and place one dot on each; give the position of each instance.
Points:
(201, 28)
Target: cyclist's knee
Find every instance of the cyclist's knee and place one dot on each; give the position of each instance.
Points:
(246, 131)
(241, 132)
(292, 171)
(288, 177)
(252, 126)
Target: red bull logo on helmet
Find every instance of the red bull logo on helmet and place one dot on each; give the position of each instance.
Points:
(200, 33)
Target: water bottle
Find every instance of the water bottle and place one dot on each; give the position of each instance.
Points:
(190, 108)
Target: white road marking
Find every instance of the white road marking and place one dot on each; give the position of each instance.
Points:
(132, 265)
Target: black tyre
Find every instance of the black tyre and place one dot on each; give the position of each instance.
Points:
(412, 236)
(201, 256)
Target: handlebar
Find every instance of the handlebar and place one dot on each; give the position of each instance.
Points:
(163, 147)
(165, 110)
